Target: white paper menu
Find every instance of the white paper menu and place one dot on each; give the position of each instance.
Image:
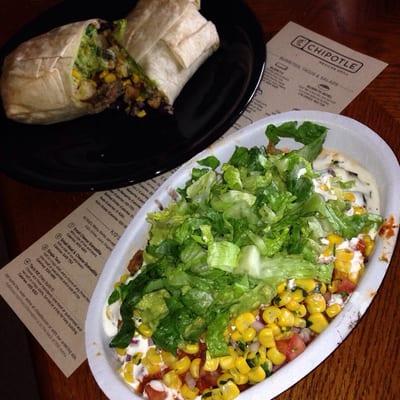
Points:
(50, 284)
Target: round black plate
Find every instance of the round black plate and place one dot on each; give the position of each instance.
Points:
(110, 149)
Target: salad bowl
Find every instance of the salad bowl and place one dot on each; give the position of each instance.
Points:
(346, 136)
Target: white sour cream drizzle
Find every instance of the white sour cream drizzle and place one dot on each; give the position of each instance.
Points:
(330, 164)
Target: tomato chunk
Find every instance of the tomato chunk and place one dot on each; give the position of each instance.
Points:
(207, 380)
(346, 285)
(154, 394)
(292, 347)
(361, 246)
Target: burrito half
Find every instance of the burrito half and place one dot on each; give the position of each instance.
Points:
(170, 40)
(71, 71)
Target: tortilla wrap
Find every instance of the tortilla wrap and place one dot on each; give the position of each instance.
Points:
(170, 39)
(37, 84)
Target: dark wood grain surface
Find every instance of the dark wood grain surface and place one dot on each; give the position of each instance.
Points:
(367, 365)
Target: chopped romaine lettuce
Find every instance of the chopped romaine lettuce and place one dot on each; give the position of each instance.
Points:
(232, 237)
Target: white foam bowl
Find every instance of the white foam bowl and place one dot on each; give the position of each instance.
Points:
(345, 135)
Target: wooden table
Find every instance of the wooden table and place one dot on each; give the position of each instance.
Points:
(367, 364)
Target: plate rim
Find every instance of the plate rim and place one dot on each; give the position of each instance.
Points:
(309, 360)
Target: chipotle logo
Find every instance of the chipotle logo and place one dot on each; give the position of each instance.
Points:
(326, 54)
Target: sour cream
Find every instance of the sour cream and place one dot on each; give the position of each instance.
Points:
(332, 164)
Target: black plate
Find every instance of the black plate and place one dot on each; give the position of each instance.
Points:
(110, 149)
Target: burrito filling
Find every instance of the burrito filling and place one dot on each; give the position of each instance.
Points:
(104, 72)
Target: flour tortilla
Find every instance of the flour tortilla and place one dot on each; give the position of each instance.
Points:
(149, 21)
(170, 39)
(36, 84)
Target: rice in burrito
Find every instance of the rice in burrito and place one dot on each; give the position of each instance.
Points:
(71, 71)
(170, 40)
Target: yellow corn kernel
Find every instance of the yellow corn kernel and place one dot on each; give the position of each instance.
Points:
(239, 378)
(250, 355)
(171, 379)
(315, 302)
(286, 318)
(327, 251)
(301, 311)
(128, 372)
(229, 391)
(110, 78)
(334, 239)
(188, 393)
(298, 296)
(232, 351)
(333, 287)
(318, 322)
(152, 368)
(225, 377)
(257, 374)
(359, 210)
(120, 352)
(195, 368)
(227, 362)
(369, 245)
(140, 113)
(306, 284)
(266, 337)
(216, 395)
(249, 334)
(211, 364)
(145, 330)
(103, 74)
(349, 196)
(292, 305)
(276, 330)
(276, 357)
(342, 266)
(333, 310)
(241, 365)
(182, 365)
(322, 288)
(135, 78)
(284, 335)
(123, 278)
(299, 322)
(271, 314)
(76, 74)
(243, 321)
(344, 255)
(283, 298)
(236, 336)
(153, 356)
(190, 348)
(281, 287)
(262, 354)
(168, 357)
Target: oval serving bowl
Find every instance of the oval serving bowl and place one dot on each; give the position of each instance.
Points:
(345, 135)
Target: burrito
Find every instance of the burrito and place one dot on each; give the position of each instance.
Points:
(73, 70)
(170, 40)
